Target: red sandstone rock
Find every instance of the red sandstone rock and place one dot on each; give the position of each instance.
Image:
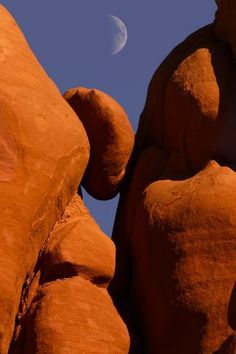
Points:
(187, 261)
(74, 316)
(144, 173)
(151, 124)
(71, 311)
(111, 138)
(197, 105)
(175, 229)
(43, 155)
(77, 246)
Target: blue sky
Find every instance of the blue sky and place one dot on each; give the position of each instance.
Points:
(70, 39)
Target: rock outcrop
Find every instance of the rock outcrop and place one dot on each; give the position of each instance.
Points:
(175, 224)
(44, 153)
(70, 310)
(189, 260)
(53, 296)
(173, 287)
(111, 139)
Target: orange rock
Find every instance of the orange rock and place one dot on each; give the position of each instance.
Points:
(44, 152)
(144, 173)
(71, 310)
(74, 316)
(186, 261)
(111, 138)
(197, 105)
(77, 246)
(151, 124)
(175, 226)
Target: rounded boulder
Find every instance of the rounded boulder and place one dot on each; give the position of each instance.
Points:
(111, 139)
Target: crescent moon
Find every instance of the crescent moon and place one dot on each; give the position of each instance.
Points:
(119, 35)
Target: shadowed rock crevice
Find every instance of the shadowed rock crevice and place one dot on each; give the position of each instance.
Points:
(45, 168)
(72, 243)
(69, 270)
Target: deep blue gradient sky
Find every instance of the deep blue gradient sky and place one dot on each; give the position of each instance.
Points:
(70, 39)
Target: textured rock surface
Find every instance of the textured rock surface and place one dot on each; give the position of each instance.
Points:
(176, 222)
(111, 138)
(228, 347)
(87, 323)
(196, 106)
(43, 155)
(189, 261)
(77, 246)
(151, 124)
(69, 309)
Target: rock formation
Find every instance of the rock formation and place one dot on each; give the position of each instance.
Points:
(55, 261)
(176, 221)
(44, 152)
(111, 139)
(70, 310)
(174, 287)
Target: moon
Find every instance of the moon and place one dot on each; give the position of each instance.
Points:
(119, 35)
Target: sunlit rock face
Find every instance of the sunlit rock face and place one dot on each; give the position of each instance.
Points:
(44, 151)
(111, 139)
(55, 261)
(176, 223)
(68, 307)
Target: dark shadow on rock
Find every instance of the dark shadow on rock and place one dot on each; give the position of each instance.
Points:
(232, 309)
(229, 346)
